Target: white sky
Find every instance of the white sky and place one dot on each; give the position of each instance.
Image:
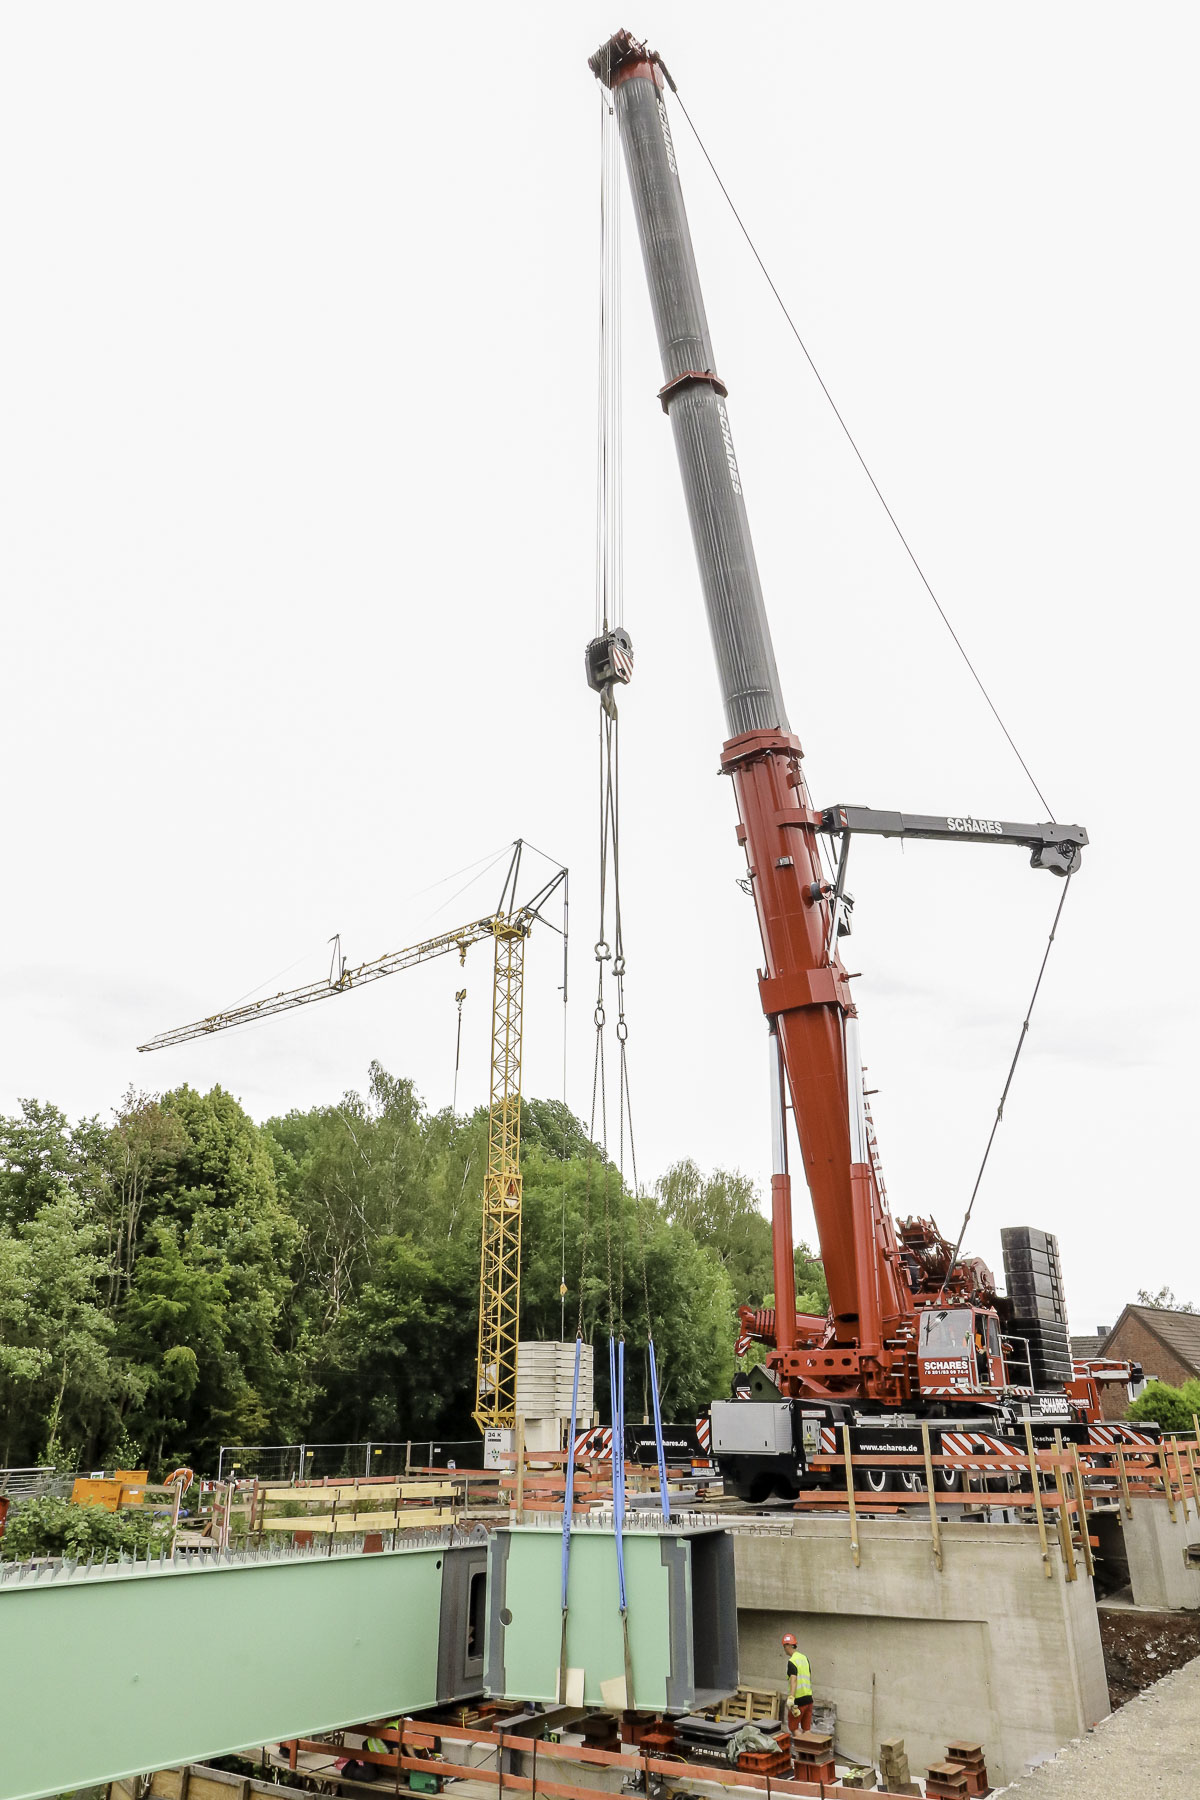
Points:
(298, 332)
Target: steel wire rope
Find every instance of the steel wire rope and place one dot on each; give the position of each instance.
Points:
(942, 614)
(850, 439)
(1012, 1069)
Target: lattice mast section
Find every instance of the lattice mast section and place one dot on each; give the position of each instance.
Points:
(500, 1261)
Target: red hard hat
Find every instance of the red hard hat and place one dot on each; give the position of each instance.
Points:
(789, 1642)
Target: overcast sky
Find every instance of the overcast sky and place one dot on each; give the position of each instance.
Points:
(298, 330)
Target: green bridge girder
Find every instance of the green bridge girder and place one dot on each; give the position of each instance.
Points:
(114, 1670)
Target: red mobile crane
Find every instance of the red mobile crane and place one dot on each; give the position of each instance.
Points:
(912, 1333)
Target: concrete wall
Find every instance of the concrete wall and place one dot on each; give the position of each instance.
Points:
(1160, 1574)
(988, 1649)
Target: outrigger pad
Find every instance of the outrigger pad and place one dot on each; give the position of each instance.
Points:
(681, 1615)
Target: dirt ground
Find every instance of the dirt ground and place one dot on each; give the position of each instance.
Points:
(1142, 1647)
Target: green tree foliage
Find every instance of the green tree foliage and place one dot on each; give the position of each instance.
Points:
(183, 1277)
(51, 1527)
(1164, 1300)
(721, 1212)
(812, 1293)
(1173, 1407)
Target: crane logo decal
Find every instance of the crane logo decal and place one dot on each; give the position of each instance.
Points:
(730, 458)
(990, 825)
(666, 131)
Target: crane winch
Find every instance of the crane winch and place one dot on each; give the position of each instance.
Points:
(500, 1248)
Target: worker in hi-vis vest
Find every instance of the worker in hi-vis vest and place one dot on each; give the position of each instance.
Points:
(799, 1680)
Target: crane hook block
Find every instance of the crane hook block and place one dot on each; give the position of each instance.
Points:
(607, 660)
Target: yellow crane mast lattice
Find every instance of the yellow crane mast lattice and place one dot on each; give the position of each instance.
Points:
(500, 1253)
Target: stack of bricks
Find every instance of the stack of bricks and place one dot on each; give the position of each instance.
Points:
(858, 1779)
(895, 1777)
(765, 1762)
(962, 1775)
(964, 1755)
(813, 1753)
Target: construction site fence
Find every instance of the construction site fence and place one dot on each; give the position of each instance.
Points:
(369, 1457)
(1056, 1488)
(32, 1483)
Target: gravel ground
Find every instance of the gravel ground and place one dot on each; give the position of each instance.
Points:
(1149, 1750)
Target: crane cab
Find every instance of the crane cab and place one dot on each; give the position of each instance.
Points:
(958, 1350)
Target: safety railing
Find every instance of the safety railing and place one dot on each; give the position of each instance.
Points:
(1058, 1487)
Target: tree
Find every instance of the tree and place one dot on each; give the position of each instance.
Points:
(1174, 1408)
(721, 1212)
(206, 1315)
(41, 1153)
(56, 1379)
(812, 1290)
(400, 1361)
(1164, 1301)
(146, 1139)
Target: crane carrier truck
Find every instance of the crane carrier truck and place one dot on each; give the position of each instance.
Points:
(914, 1334)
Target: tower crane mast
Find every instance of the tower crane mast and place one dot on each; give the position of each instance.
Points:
(500, 1247)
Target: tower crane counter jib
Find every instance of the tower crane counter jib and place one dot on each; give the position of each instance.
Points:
(867, 1353)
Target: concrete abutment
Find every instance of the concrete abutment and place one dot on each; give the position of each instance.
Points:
(988, 1648)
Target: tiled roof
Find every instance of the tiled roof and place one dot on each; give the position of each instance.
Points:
(1085, 1347)
(1178, 1331)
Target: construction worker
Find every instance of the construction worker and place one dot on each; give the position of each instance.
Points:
(800, 1692)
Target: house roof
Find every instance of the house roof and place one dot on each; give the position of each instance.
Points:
(1086, 1347)
(1178, 1332)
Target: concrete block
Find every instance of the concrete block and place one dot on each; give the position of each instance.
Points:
(1163, 1555)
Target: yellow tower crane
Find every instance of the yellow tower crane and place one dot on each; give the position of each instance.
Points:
(500, 1250)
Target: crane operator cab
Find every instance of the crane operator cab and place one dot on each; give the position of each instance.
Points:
(958, 1350)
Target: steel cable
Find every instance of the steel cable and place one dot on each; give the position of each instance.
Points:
(850, 439)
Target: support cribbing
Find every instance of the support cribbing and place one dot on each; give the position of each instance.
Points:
(658, 1435)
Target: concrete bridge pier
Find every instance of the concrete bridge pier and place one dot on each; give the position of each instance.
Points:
(988, 1648)
(1159, 1556)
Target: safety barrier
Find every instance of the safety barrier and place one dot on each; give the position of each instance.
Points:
(1058, 1486)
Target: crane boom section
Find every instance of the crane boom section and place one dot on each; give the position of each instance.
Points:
(390, 964)
(803, 985)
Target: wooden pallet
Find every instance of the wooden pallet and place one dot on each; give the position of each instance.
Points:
(752, 1704)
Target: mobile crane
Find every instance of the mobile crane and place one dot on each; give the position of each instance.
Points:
(913, 1332)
